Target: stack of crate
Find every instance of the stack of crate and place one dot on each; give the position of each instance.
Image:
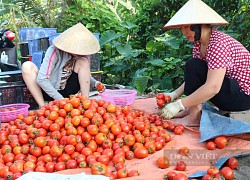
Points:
(34, 42)
(13, 90)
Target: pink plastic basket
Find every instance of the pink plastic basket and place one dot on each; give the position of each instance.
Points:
(8, 115)
(120, 97)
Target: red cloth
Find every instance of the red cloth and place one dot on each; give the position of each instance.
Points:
(225, 52)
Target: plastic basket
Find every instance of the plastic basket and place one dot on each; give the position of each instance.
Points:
(8, 115)
(120, 97)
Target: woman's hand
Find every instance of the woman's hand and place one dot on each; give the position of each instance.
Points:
(173, 95)
(172, 109)
(100, 87)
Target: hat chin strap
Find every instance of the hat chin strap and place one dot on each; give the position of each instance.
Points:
(197, 29)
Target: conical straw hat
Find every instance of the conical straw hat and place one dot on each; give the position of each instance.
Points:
(195, 12)
(77, 40)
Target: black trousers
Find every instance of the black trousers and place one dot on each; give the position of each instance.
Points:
(230, 96)
(72, 87)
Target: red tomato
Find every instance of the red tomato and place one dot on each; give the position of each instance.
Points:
(213, 171)
(180, 176)
(55, 151)
(160, 103)
(211, 145)
(16, 167)
(221, 142)
(71, 164)
(50, 167)
(167, 99)
(75, 102)
(141, 152)
(181, 166)
(160, 96)
(163, 162)
(178, 130)
(99, 169)
(133, 173)
(53, 115)
(232, 163)
(69, 149)
(184, 151)
(129, 140)
(60, 166)
(129, 155)
(122, 173)
(170, 175)
(111, 108)
(40, 141)
(227, 173)
(100, 87)
(111, 175)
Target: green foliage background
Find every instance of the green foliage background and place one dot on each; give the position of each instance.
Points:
(134, 44)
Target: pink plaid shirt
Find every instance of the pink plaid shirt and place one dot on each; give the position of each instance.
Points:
(225, 52)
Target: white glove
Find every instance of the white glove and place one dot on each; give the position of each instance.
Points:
(171, 109)
(173, 95)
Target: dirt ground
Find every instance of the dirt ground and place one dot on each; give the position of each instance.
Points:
(243, 171)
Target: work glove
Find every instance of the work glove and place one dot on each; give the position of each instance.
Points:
(173, 95)
(100, 87)
(172, 109)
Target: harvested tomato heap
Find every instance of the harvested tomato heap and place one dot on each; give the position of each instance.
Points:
(77, 132)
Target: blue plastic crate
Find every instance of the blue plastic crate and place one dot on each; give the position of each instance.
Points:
(97, 35)
(50, 31)
(37, 58)
(51, 37)
(30, 33)
(26, 34)
(39, 33)
(33, 46)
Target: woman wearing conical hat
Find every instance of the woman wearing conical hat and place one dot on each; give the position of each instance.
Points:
(65, 69)
(219, 70)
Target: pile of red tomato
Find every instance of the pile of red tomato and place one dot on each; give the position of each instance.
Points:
(219, 142)
(8, 109)
(77, 132)
(162, 100)
(226, 171)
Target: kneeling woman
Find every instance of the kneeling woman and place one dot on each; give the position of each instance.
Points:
(65, 69)
(219, 70)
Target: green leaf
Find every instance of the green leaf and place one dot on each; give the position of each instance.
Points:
(126, 50)
(108, 36)
(156, 62)
(140, 72)
(140, 83)
(128, 25)
(163, 83)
